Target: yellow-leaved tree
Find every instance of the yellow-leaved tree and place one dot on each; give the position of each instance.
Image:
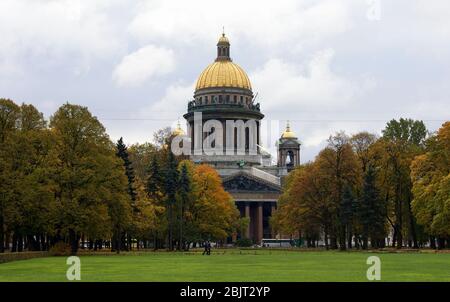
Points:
(430, 173)
(211, 212)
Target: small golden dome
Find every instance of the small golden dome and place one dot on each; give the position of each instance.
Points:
(223, 39)
(288, 133)
(178, 131)
(223, 74)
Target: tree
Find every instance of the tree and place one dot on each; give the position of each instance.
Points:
(170, 189)
(155, 191)
(303, 208)
(9, 114)
(129, 172)
(155, 180)
(402, 140)
(184, 189)
(339, 163)
(26, 201)
(372, 212)
(213, 214)
(430, 174)
(91, 187)
(361, 144)
(347, 215)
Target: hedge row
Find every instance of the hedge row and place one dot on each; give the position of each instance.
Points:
(7, 257)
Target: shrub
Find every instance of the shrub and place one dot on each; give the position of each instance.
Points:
(7, 257)
(60, 249)
(244, 242)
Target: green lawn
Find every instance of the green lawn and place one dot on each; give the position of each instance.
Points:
(235, 265)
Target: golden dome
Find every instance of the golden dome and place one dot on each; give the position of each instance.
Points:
(223, 74)
(223, 39)
(288, 133)
(178, 130)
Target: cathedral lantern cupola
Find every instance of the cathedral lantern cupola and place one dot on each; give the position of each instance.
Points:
(288, 149)
(223, 49)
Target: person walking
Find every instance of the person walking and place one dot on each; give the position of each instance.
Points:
(208, 248)
(205, 246)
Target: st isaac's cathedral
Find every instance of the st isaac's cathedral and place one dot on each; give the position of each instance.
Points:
(223, 93)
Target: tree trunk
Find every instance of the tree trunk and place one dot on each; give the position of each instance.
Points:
(130, 243)
(432, 242)
(413, 228)
(441, 243)
(20, 243)
(170, 228)
(44, 243)
(342, 238)
(349, 236)
(73, 239)
(82, 242)
(398, 218)
(2, 233)
(325, 237)
(14, 243)
(180, 241)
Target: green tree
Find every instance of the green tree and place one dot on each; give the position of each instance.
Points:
(122, 153)
(9, 116)
(91, 187)
(129, 172)
(372, 212)
(170, 190)
(184, 199)
(339, 163)
(402, 140)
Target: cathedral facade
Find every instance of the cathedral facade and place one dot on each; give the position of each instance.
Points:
(230, 124)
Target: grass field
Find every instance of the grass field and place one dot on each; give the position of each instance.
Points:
(235, 265)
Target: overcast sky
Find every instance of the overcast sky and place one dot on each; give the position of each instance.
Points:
(325, 65)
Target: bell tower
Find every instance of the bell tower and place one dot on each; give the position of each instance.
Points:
(288, 149)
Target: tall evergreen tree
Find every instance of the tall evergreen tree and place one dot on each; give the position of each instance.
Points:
(155, 179)
(171, 184)
(123, 154)
(183, 191)
(372, 212)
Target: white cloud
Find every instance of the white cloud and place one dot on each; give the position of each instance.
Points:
(143, 64)
(66, 31)
(268, 23)
(321, 64)
(173, 104)
(309, 87)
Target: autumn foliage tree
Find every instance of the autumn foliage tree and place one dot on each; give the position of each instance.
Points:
(430, 173)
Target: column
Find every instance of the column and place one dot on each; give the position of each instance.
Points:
(259, 221)
(247, 214)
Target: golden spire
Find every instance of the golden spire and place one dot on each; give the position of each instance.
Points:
(288, 133)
